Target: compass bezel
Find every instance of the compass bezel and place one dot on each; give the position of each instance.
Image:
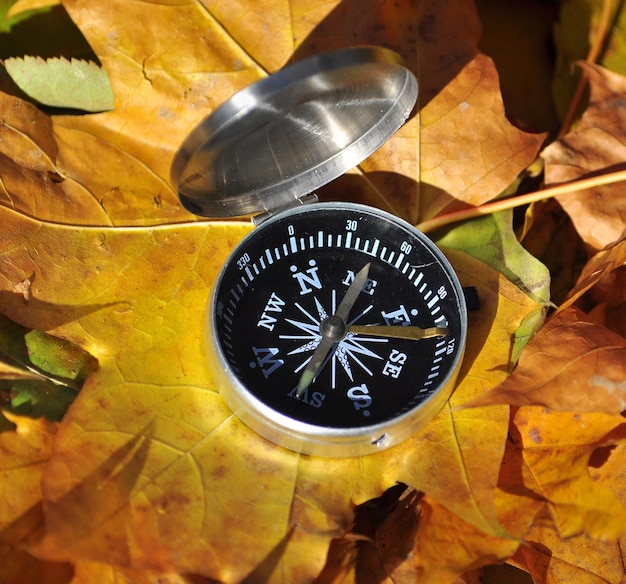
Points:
(315, 439)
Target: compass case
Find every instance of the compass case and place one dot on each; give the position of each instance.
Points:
(263, 152)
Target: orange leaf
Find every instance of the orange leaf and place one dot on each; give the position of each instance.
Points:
(557, 447)
(549, 558)
(24, 451)
(493, 152)
(570, 365)
(23, 454)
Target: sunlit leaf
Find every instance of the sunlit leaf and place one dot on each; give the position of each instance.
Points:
(549, 558)
(25, 450)
(571, 365)
(557, 448)
(163, 451)
(494, 150)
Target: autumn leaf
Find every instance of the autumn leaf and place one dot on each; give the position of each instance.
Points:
(571, 365)
(601, 264)
(547, 557)
(406, 546)
(557, 448)
(24, 451)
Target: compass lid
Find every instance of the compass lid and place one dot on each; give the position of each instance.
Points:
(292, 132)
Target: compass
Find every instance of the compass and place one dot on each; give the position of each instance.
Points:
(333, 329)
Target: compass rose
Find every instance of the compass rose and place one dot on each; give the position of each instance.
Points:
(352, 350)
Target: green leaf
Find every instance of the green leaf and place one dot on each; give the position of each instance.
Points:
(59, 358)
(40, 373)
(8, 17)
(491, 239)
(58, 82)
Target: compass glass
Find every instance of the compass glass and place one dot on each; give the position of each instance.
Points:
(279, 295)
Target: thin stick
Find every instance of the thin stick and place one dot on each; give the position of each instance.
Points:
(594, 52)
(518, 201)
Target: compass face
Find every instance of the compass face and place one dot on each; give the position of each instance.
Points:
(339, 329)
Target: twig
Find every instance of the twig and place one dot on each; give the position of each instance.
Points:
(513, 202)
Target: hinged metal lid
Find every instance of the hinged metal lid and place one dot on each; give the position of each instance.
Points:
(292, 132)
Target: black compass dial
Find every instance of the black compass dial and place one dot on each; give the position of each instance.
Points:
(339, 316)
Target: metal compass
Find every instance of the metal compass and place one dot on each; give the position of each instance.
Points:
(334, 329)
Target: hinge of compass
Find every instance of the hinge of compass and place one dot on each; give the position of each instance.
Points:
(295, 202)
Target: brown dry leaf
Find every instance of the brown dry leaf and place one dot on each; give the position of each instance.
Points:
(609, 298)
(572, 364)
(113, 168)
(600, 266)
(596, 144)
(422, 541)
(32, 181)
(604, 277)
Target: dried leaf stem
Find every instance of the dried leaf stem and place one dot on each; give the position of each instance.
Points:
(595, 50)
(518, 201)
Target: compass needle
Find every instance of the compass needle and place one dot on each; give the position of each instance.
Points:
(414, 333)
(333, 330)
